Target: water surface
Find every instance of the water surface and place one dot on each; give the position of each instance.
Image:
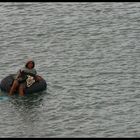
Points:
(89, 55)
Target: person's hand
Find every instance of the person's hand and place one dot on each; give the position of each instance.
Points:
(21, 71)
(37, 78)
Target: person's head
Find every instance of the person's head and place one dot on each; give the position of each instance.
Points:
(30, 64)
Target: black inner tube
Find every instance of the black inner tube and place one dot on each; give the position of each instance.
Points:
(38, 86)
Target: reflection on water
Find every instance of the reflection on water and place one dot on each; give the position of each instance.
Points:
(3, 98)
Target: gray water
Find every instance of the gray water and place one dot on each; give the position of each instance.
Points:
(89, 54)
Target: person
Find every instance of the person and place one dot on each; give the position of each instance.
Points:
(20, 80)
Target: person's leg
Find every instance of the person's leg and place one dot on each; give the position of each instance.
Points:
(21, 89)
(14, 86)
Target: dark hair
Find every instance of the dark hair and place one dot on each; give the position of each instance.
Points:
(29, 62)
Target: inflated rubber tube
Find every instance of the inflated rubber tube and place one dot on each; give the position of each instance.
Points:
(38, 86)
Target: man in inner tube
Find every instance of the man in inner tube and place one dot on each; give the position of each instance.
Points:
(20, 79)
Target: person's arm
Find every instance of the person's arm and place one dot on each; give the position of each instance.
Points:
(35, 72)
(18, 74)
(37, 77)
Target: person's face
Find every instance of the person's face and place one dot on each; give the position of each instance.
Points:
(30, 65)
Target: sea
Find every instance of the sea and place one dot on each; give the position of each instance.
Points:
(89, 55)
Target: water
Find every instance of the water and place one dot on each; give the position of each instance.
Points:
(89, 55)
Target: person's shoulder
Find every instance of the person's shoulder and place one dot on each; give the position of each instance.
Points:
(34, 69)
